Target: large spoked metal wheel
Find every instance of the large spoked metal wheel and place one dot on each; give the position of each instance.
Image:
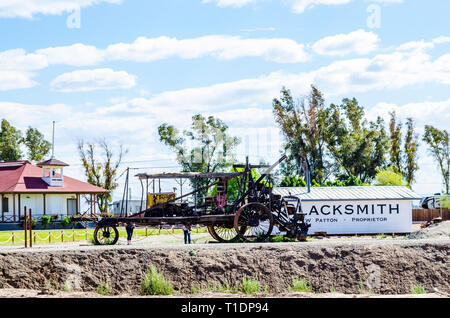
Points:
(223, 234)
(253, 222)
(106, 235)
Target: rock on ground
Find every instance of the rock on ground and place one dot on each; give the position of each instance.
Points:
(438, 230)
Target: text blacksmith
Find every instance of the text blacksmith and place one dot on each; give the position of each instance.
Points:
(351, 209)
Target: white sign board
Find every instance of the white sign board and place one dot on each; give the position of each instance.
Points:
(358, 217)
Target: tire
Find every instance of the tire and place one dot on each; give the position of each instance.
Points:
(222, 234)
(253, 222)
(106, 235)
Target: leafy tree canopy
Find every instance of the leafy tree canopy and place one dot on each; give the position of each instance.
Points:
(439, 148)
(389, 177)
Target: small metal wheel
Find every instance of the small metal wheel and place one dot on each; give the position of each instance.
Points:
(222, 233)
(253, 222)
(106, 235)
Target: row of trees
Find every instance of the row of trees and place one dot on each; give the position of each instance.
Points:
(12, 141)
(335, 142)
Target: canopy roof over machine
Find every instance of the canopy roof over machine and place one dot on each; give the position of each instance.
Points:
(189, 175)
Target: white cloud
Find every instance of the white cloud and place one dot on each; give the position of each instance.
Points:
(298, 6)
(358, 42)
(424, 113)
(19, 60)
(15, 80)
(231, 3)
(89, 80)
(16, 69)
(219, 46)
(30, 8)
(75, 55)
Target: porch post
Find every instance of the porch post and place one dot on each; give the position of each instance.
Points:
(14, 207)
(78, 203)
(45, 205)
(95, 205)
(18, 199)
(3, 213)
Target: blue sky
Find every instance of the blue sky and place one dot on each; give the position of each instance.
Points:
(130, 65)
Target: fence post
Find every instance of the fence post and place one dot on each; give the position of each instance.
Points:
(73, 234)
(86, 235)
(146, 230)
(62, 235)
(31, 230)
(34, 238)
(49, 236)
(12, 238)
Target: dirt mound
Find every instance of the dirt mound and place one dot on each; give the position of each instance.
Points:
(439, 230)
(387, 267)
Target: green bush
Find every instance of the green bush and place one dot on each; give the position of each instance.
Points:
(103, 289)
(155, 283)
(34, 222)
(281, 238)
(45, 220)
(418, 289)
(250, 286)
(445, 202)
(389, 177)
(65, 221)
(300, 285)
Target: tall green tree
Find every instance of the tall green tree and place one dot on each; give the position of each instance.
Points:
(403, 153)
(439, 147)
(395, 137)
(410, 152)
(101, 169)
(359, 147)
(205, 147)
(37, 146)
(303, 124)
(10, 140)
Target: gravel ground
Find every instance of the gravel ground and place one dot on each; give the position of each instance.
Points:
(343, 265)
(387, 266)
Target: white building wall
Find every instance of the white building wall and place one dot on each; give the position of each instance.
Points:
(359, 217)
(55, 204)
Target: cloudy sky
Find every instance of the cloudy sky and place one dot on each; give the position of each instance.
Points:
(117, 69)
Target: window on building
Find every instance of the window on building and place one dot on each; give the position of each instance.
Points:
(71, 206)
(5, 205)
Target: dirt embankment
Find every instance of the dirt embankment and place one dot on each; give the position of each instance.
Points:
(383, 267)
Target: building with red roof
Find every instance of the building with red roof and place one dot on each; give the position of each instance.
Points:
(43, 188)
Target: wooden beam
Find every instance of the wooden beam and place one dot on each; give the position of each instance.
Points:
(18, 199)
(45, 205)
(14, 207)
(78, 203)
(3, 213)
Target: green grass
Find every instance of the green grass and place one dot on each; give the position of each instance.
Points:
(300, 285)
(250, 286)
(103, 289)
(418, 289)
(281, 238)
(155, 283)
(381, 236)
(41, 236)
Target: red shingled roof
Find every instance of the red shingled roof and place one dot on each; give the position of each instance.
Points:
(52, 162)
(23, 177)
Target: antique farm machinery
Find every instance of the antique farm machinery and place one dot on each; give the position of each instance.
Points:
(251, 216)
